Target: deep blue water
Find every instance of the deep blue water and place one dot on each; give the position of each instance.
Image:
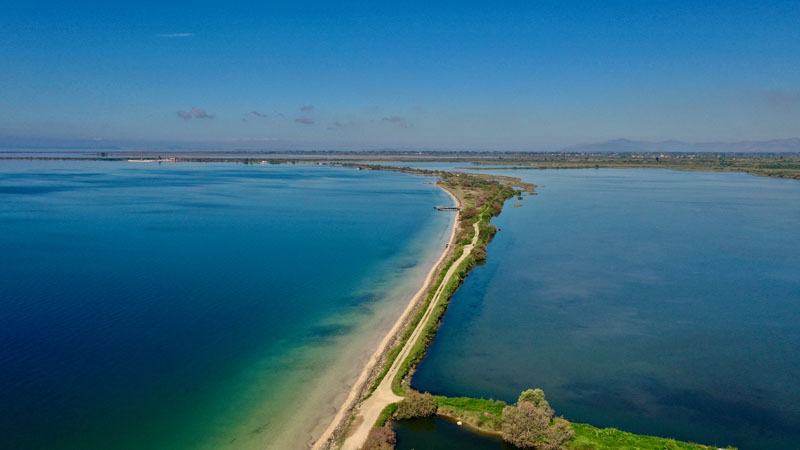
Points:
(187, 305)
(657, 302)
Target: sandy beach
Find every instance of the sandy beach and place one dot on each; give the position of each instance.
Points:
(376, 361)
(329, 377)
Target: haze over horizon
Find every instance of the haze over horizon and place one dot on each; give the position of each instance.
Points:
(463, 75)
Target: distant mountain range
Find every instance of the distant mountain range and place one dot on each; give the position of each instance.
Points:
(791, 145)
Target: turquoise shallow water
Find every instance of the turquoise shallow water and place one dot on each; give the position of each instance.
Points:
(189, 305)
(657, 302)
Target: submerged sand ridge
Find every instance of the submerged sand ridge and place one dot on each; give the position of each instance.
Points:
(383, 395)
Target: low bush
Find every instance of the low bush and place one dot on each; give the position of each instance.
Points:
(416, 405)
(380, 438)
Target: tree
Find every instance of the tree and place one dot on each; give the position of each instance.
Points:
(530, 424)
(479, 253)
(535, 396)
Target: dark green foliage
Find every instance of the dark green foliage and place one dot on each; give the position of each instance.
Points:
(416, 405)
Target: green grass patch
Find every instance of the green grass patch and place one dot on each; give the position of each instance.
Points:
(478, 412)
(386, 414)
(588, 437)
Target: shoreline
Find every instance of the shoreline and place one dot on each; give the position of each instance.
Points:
(324, 393)
(345, 413)
(338, 364)
(480, 198)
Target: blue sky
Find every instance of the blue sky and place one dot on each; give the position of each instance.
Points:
(483, 75)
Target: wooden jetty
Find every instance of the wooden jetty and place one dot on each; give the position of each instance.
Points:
(447, 208)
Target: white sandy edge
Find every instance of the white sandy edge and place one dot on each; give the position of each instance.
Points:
(355, 440)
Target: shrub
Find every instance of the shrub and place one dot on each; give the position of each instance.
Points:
(479, 253)
(416, 405)
(380, 438)
(463, 234)
(468, 213)
(559, 433)
(530, 424)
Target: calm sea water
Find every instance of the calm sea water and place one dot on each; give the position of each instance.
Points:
(657, 302)
(435, 433)
(197, 305)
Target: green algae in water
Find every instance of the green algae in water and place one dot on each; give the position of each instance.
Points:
(196, 305)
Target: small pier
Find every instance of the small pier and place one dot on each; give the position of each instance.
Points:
(447, 208)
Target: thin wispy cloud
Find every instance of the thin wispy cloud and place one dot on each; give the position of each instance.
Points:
(397, 120)
(195, 113)
(258, 114)
(337, 125)
(307, 108)
(175, 35)
(200, 114)
(304, 120)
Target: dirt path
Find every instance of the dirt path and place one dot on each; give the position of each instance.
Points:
(358, 389)
(371, 408)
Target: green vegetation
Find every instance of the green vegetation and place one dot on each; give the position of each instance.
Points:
(416, 405)
(768, 165)
(489, 416)
(588, 437)
(479, 413)
(535, 396)
(387, 413)
(530, 424)
(481, 199)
